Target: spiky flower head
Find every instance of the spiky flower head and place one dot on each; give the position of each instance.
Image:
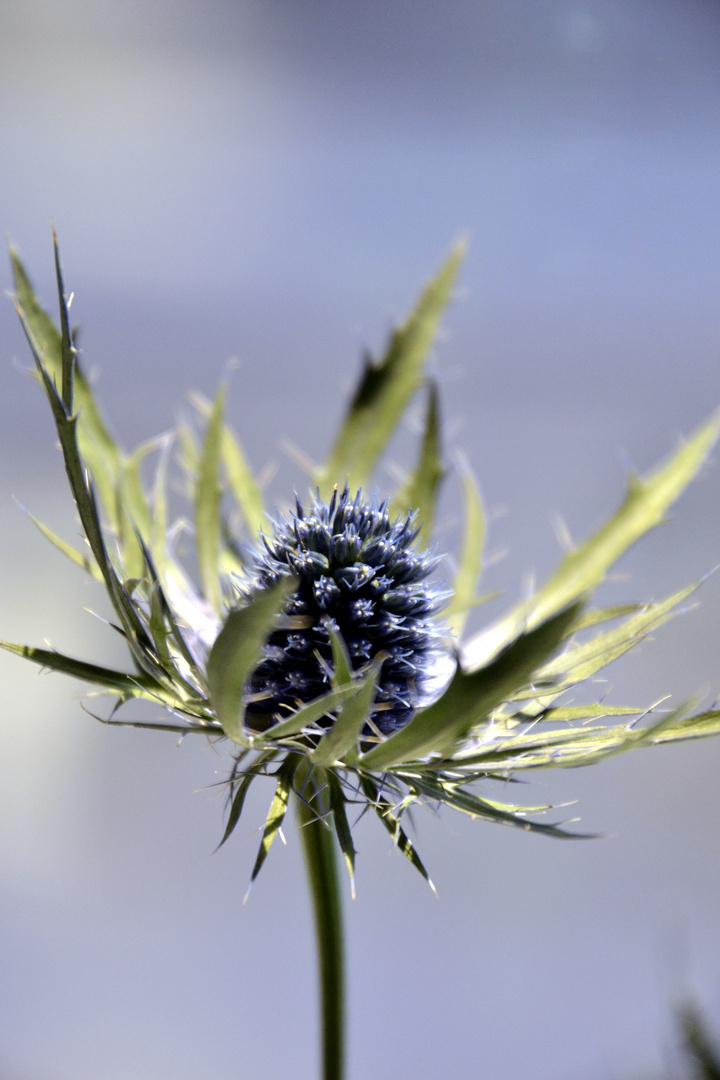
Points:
(360, 575)
(316, 657)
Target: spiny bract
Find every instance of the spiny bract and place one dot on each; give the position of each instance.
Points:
(330, 673)
(362, 576)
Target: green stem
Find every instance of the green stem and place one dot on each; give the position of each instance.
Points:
(320, 861)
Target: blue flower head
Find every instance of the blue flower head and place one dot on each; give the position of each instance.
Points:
(327, 667)
(361, 575)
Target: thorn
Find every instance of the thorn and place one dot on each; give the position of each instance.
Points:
(562, 533)
(296, 454)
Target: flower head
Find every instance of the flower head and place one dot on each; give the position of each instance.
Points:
(318, 655)
(361, 575)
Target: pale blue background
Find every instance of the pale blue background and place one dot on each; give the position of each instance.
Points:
(274, 181)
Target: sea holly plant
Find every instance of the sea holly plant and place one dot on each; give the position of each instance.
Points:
(319, 643)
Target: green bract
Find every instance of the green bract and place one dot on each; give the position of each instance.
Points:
(194, 648)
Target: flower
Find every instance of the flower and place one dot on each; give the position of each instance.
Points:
(317, 651)
(361, 576)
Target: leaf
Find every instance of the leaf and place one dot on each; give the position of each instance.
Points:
(189, 456)
(470, 562)
(459, 798)
(582, 661)
(97, 447)
(133, 513)
(583, 569)
(160, 631)
(188, 728)
(159, 519)
(236, 807)
(498, 754)
(690, 727)
(236, 653)
(134, 499)
(168, 617)
(419, 492)
(342, 668)
(307, 715)
(573, 747)
(383, 809)
(243, 484)
(470, 698)
(593, 616)
(342, 827)
(386, 387)
(276, 814)
(242, 786)
(128, 685)
(86, 562)
(207, 505)
(87, 508)
(593, 711)
(68, 353)
(49, 342)
(351, 719)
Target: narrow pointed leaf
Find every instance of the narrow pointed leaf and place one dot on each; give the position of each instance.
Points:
(386, 387)
(86, 504)
(351, 719)
(243, 484)
(276, 814)
(309, 714)
(236, 654)
(616, 741)
(342, 826)
(236, 807)
(45, 334)
(207, 504)
(402, 841)
(498, 753)
(160, 631)
(594, 616)
(134, 498)
(690, 727)
(644, 507)
(97, 446)
(593, 711)
(470, 698)
(137, 528)
(159, 522)
(574, 747)
(132, 685)
(496, 812)
(169, 615)
(470, 563)
(420, 491)
(86, 562)
(582, 661)
(189, 451)
(240, 793)
(342, 669)
(68, 353)
(190, 728)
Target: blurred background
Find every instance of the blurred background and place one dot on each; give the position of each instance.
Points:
(273, 182)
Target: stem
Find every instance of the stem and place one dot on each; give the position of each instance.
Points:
(319, 846)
